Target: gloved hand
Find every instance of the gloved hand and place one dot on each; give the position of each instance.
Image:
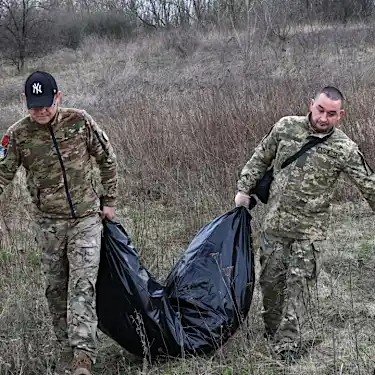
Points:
(242, 199)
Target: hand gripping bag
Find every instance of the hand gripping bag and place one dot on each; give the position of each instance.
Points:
(202, 303)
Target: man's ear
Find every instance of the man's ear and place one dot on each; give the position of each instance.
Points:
(58, 97)
(342, 113)
(311, 104)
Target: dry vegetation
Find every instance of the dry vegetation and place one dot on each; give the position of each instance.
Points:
(184, 111)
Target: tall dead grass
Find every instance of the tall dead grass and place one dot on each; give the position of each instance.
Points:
(183, 125)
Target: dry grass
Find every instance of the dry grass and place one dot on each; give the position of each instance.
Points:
(184, 113)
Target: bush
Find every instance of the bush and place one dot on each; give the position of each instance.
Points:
(72, 31)
(113, 25)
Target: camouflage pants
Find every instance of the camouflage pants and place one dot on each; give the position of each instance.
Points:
(70, 259)
(289, 271)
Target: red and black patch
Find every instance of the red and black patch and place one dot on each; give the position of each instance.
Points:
(4, 147)
(5, 141)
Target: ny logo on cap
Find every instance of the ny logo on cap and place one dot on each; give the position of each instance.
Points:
(37, 88)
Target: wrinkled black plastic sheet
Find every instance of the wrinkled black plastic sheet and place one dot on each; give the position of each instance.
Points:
(203, 301)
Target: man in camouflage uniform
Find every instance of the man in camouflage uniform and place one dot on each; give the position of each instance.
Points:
(57, 146)
(298, 210)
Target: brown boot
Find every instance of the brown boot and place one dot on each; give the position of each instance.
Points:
(81, 364)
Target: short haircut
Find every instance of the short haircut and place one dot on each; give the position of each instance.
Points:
(332, 93)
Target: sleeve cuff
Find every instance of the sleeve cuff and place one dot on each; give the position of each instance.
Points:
(108, 201)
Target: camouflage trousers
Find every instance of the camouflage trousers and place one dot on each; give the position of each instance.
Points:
(289, 272)
(70, 260)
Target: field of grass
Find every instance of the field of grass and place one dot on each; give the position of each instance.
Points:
(184, 111)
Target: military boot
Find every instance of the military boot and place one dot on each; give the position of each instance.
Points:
(82, 364)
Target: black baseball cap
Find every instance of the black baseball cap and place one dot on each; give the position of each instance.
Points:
(40, 89)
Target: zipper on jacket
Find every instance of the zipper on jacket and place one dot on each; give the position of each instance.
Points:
(63, 172)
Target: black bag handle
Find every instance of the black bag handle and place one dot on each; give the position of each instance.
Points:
(304, 148)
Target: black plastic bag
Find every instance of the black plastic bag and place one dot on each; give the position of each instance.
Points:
(205, 298)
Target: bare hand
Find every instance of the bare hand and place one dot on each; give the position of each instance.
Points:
(242, 199)
(107, 213)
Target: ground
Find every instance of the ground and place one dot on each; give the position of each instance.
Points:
(183, 124)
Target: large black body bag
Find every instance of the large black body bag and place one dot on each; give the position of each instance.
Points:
(203, 301)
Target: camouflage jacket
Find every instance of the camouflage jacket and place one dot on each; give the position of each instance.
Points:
(58, 163)
(299, 205)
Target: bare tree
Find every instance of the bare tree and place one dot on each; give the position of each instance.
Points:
(23, 30)
(280, 17)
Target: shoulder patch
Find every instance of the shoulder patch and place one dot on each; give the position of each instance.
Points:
(5, 141)
(4, 147)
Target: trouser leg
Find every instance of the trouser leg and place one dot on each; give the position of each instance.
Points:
(84, 255)
(52, 240)
(301, 283)
(273, 259)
